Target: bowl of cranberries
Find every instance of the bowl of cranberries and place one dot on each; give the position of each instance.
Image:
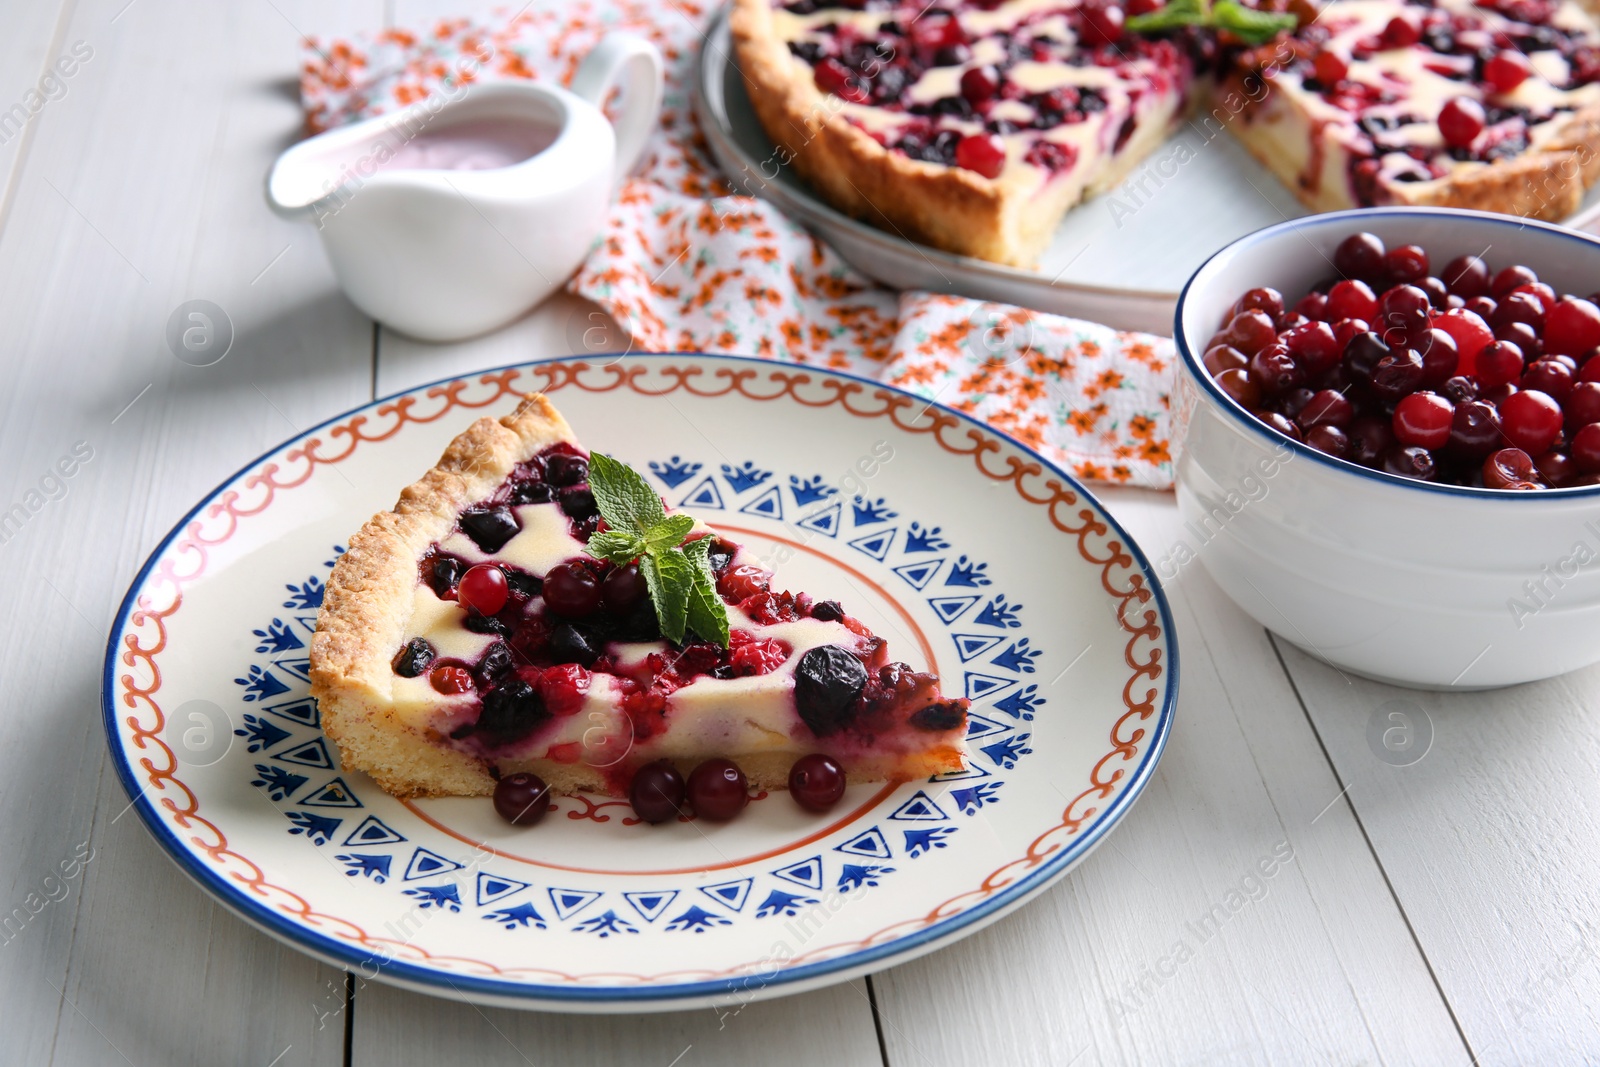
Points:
(1390, 427)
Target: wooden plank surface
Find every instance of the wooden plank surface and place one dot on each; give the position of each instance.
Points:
(140, 189)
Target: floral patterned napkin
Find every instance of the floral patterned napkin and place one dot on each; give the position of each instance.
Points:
(684, 265)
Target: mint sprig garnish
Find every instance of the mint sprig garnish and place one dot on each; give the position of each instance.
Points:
(1248, 24)
(682, 587)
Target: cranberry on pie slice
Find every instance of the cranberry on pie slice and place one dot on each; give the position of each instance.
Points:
(467, 636)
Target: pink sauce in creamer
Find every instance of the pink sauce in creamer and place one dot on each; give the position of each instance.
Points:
(483, 144)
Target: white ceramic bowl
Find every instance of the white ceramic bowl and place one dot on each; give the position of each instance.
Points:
(1422, 585)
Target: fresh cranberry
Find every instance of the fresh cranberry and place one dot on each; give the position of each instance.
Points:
(1540, 292)
(1548, 376)
(1362, 354)
(1345, 331)
(1585, 448)
(1397, 375)
(1522, 335)
(1466, 277)
(1264, 299)
(1459, 389)
(563, 688)
(1219, 358)
(1326, 408)
(1274, 370)
(1506, 69)
(816, 782)
(744, 581)
(1498, 363)
(1474, 430)
(981, 153)
(834, 77)
(1313, 346)
(657, 792)
(1509, 468)
(1510, 278)
(571, 589)
(1101, 22)
(1423, 419)
(1352, 299)
(1329, 439)
(1291, 320)
(1572, 327)
(1359, 256)
(1330, 67)
(624, 589)
(1250, 331)
(1519, 307)
(1294, 401)
(1530, 420)
(931, 32)
(1589, 371)
(1278, 422)
(483, 589)
(1401, 32)
(1313, 306)
(450, 681)
(1410, 461)
(1582, 405)
(1438, 293)
(979, 84)
(1403, 312)
(521, 799)
(1555, 467)
(1370, 439)
(1460, 121)
(1482, 306)
(1405, 265)
(1470, 334)
(1439, 359)
(717, 789)
(1240, 387)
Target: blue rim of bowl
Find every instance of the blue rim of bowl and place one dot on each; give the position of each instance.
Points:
(1337, 218)
(461, 986)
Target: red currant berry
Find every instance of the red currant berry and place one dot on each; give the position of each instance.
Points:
(657, 792)
(1250, 331)
(1345, 331)
(1280, 423)
(1326, 408)
(1410, 461)
(816, 782)
(1219, 358)
(521, 799)
(1506, 69)
(1370, 439)
(1548, 376)
(571, 589)
(1397, 375)
(717, 790)
(1498, 363)
(1359, 256)
(1440, 359)
(1274, 370)
(1519, 307)
(1469, 332)
(450, 680)
(1406, 265)
(1555, 467)
(563, 688)
(1423, 419)
(1329, 439)
(1241, 388)
(1474, 430)
(1466, 277)
(1313, 346)
(1530, 420)
(1313, 306)
(1572, 327)
(1586, 448)
(981, 153)
(1460, 121)
(1540, 292)
(1352, 299)
(1264, 299)
(979, 84)
(1101, 22)
(1330, 67)
(1509, 468)
(1583, 404)
(483, 589)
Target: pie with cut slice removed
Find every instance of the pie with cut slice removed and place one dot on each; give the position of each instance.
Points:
(468, 635)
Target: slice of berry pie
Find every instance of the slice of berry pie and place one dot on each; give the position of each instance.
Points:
(529, 608)
(1491, 106)
(970, 126)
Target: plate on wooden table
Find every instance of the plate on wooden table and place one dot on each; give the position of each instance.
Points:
(1119, 258)
(967, 551)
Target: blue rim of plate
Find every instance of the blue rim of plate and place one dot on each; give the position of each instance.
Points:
(461, 986)
(1192, 366)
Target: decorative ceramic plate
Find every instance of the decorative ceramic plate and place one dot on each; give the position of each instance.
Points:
(968, 552)
(1119, 259)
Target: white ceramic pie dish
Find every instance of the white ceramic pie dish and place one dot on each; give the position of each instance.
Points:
(1408, 582)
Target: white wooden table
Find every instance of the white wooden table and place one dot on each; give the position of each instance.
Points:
(1441, 912)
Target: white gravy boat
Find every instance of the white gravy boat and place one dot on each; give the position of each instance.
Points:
(457, 214)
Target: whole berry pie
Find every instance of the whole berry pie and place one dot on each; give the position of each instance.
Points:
(974, 125)
(530, 609)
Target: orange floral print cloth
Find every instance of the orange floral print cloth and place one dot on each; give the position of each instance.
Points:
(684, 265)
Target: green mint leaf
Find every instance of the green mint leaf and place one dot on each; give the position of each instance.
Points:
(625, 499)
(668, 533)
(669, 577)
(1175, 15)
(1252, 26)
(708, 615)
(615, 545)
